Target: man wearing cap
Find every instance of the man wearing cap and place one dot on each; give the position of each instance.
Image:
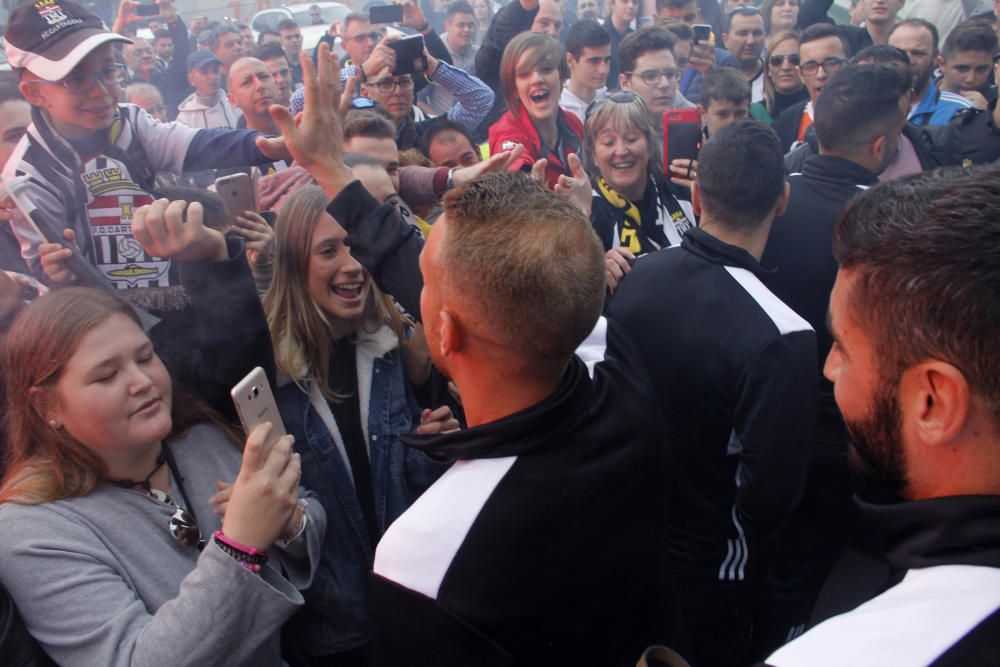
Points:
(90, 161)
(207, 106)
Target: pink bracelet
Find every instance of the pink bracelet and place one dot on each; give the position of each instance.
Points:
(248, 557)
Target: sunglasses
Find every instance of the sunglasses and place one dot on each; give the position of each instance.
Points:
(743, 10)
(779, 60)
(184, 529)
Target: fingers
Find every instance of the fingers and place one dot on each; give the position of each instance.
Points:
(538, 170)
(345, 100)
(437, 421)
(253, 451)
(512, 156)
(576, 166)
(53, 257)
(443, 412)
(277, 458)
(275, 145)
(291, 476)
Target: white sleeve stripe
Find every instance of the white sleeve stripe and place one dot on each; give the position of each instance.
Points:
(419, 547)
(595, 345)
(786, 319)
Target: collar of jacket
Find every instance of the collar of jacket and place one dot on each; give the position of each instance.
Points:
(838, 170)
(957, 530)
(699, 242)
(569, 129)
(522, 432)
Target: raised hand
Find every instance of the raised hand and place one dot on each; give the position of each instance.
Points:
(576, 188)
(616, 265)
(53, 257)
(437, 421)
(162, 231)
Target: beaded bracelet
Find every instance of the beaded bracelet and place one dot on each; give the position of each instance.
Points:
(250, 558)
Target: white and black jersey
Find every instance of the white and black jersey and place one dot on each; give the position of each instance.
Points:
(734, 371)
(946, 610)
(541, 545)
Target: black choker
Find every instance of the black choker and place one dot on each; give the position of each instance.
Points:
(144, 484)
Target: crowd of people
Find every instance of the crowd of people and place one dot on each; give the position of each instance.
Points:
(548, 391)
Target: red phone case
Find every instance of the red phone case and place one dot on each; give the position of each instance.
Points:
(681, 135)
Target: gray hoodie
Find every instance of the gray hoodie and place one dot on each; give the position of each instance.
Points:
(205, 113)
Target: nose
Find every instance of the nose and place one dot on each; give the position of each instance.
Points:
(139, 380)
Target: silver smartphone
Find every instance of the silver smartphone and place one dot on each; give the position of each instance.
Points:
(255, 405)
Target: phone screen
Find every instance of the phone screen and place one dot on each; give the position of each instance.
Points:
(410, 58)
(147, 10)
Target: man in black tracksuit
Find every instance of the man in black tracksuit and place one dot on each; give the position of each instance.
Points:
(734, 372)
(913, 313)
(859, 115)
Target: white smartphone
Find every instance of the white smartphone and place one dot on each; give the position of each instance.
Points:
(255, 405)
(237, 191)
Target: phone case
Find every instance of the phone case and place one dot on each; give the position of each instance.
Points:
(255, 405)
(681, 136)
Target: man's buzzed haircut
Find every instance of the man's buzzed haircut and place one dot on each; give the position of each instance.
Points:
(526, 264)
(881, 54)
(725, 84)
(269, 51)
(585, 34)
(925, 251)
(644, 40)
(741, 174)
(458, 7)
(439, 125)
(367, 124)
(859, 104)
(819, 31)
(974, 35)
(353, 17)
(920, 23)
(286, 24)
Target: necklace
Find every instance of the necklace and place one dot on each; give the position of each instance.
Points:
(161, 458)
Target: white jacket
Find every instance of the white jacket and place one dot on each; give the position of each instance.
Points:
(193, 113)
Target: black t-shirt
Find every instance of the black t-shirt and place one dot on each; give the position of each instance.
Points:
(347, 413)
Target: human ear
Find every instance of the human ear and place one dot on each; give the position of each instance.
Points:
(876, 149)
(450, 333)
(43, 402)
(695, 198)
(937, 397)
(32, 92)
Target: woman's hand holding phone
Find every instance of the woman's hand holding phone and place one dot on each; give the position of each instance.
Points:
(262, 501)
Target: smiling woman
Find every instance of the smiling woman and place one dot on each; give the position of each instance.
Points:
(350, 364)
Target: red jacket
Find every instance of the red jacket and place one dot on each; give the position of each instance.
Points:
(512, 130)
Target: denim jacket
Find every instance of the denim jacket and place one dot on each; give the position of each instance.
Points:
(336, 616)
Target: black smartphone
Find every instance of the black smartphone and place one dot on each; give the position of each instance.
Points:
(702, 33)
(385, 13)
(269, 217)
(410, 58)
(150, 9)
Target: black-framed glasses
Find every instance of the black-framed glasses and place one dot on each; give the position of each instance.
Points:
(184, 528)
(386, 86)
(830, 65)
(80, 82)
(779, 60)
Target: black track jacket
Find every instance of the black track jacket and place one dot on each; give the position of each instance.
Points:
(734, 371)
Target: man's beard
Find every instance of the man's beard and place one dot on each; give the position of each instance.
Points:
(876, 456)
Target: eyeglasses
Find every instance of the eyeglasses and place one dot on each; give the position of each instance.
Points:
(79, 82)
(184, 528)
(386, 86)
(651, 77)
(779, 60)
(743, 10)
(359, 39)
(830, 65)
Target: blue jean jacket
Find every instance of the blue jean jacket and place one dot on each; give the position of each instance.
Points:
(336, 616)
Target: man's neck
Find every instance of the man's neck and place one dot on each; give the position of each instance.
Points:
(488, 396)
(581, 90)
(860, 161)
(621, 28)
(879, 32)
(751, 68)
(753, 241)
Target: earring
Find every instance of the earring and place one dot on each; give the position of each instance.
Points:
(54, 424)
